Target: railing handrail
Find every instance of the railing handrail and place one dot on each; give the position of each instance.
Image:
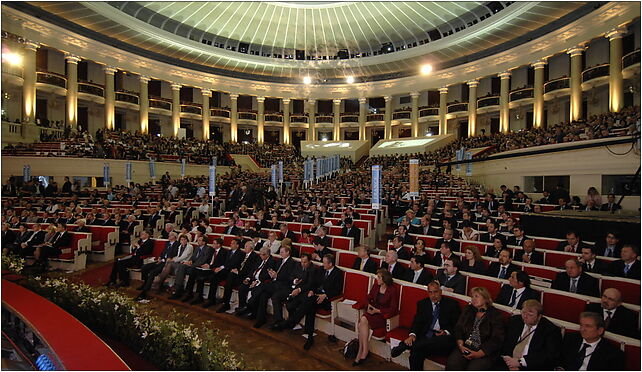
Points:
(557, 79)
(128, 93)
(489, 97)
(631, 53)
(157, 98)
(601, 65)
(520, 90)
(51, 73)
(91, 84)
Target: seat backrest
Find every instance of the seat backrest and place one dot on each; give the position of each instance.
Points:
(341, 242)
(346, 259)
(632, 357)
(557, 259)
(541, 271)
(75, 237)
(560, 306)
(220, 229)
(410, 295)
(492, 284)
(356, 286)
(630, 289)
(547, 243)
(480, 246)
(159, 246)
(306, 249)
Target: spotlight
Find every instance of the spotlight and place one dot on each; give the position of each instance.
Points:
(13, 59)
(307, 80)
(426, 69)
(350, 79)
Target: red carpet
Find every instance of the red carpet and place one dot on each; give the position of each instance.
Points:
(97, 276)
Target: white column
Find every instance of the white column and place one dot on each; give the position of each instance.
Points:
(538, 93)
(72, 90)
(260, 120)
(443, 110)
(312, 131)
(472, 107)
(29, 82)
(414, 114)
(504, 110)
(110, 98)
(143, 104)
(234, 117)
(576, 81)
(387, 118)
(362, 119)
(336, 111)
(205, 113)
(176, 108)
(286, 121)
(616, 83)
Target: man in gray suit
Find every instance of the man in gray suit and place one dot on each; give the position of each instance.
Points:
(201, 255)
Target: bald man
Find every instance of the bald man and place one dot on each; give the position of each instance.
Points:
(618, 319)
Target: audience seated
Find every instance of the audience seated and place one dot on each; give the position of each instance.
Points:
(574, 280)
(143, 247)
(363, 261)
(617, 318)
(517, 291)
(450, 278)
(628, 266)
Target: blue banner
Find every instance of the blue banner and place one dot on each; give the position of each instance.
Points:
(152, 169)
(469, 166)
(212, 179)
(128, 172)
(459, 157)
(183, 161)
(319, 170)
(26, 173)
(106, 178)
(376, 187)
(214, 160)
(305, 171)
(280, 171)
(273, 176)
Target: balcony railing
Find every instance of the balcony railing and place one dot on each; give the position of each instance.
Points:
(274, 117)
(631, 58)
(401, 115)
(160, 104)
(595, 72)
(299, 119)
(91, 88)
(127, 97)
(457, 107)
(430, 111)
(488, 101)
(51, 78)
(324, 119)
(374, 117)
(10, 69)
(521, 94)
(349, 118)
(553, 85)
(247, 115)
(220, 112)
(191, 109)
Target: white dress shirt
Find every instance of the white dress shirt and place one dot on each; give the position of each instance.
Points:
(589, 352)
(522, 361)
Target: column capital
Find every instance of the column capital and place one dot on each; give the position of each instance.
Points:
(363, 101)
(616, 33)
(30, 45)
(260, 99)
(144, 79)
(72, 58)
(176, 86)
(504, 75)
(336, 101)
(286, 101)
(443, 90)
(539, 64)
(387, 98)
(415, 95)
(576, 50)
(109, 70)
(312, 101)
(206, 92)
(234, 96)
(473, 83)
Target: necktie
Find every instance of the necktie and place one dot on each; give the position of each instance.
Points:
(390, 268)
(609, 252)
(607, 320)
(513, 298)
(627, 267)
(260, 267)
(180, 251)
(518, 350)
(502, 273)
(589, 267)
(244, 261)
(327, 273)
(363, 263)
(214, 256)
(280, 266)
(573, 288)
(435, 318)
(581, 355)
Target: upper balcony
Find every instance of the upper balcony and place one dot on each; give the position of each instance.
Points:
(557, 88)
(595, 76)
(126, 99)
(191, 109)
(457, 108)
(51, 82)
(12, 74)
(374, 117)
(244, 115)
(298, 118)
(520, 97)
(400, 115)
(631, 64)
(220, 113)
(429, 111)
(324, 118)
(91, 92)
(273, 118)
(487, 104)
(160, 105)
(349, 117)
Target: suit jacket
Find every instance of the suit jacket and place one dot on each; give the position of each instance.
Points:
(151, 222)
(623, 321)
(512, 240)
(201, 256)
(388, 303)
(37, 238)
(457, 282)
(449, 312)
(263, 273)
(564, 243)
(486, 238)
(369, 267)
(20, 238)
(219, 258)
(62, 241)
(398, 271)
(332, 285)
(587, 285)
(306, 278)
(544, 347)
(537, 258)
(403, 254)
(495, 268)
(491, 329)
(285, 274)
(245, 268)
(170, 251)
(437, 261)
(8, 238)
(234, 230)
(613, 207)
(354, 233)
(506, 294)
(233, 259)
(600, 248)
(616, 268)
(605, 357)
(599, 267)
(454, 245)
(424, 278)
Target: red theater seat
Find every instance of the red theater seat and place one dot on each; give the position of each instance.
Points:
(564, 307)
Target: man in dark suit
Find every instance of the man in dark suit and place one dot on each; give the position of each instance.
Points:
(445, 252)
(233, 260)
(628, 266)
(302, 282)
(417, 273)
(328, 284)
(529, 254)
(575, 281)
(518, 237)
(9, 237)
(37, 238)
(397, 246)
(286, 233)
(209, 271)
(363, 261)
(610, 246)
(517, 291)
(617, 318)
(530, 330)
(53, 248)
(447, 238)
(235, 276)
(201, 255)
(22, 236)
(589, 263)
(450, 278)
(257, 275)
(573, 243)
(424, 228)
(390, 264)
(142, 247)
(231, 228)
(587, 350)
(150, 270)
(402, 233)
(493, 232)
(610, 205)
(351, 231)
(155, 216)
(433, 328)
(503, 267)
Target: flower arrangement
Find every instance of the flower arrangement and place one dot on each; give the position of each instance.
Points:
(13, 263)
(169, 344)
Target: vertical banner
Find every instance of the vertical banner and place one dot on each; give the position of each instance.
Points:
(338, 163)
(106, 177)
(414, 177)
(469, 166)
(376, 187)
(280, 171)
(128, 172)
(214, 160)
(183, 161)
(326, 167)
(459, 157)
(152, 169)
(274, 179)
(26, 173)
(212, 179)
(319, 170)
(305, 172)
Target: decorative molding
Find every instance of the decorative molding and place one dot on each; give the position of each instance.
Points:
(260, 99)
(234, 96)
(473, 83)
(504, 75)
(31, 45)
(336, 101)
(109, 70)
(363, 101)
(576, 50)
(144, 79)
(415, 95)
(176, 86)
(206, 92)
(285, 101)
(539, 64)
(443, 90)
(387, 99)
(616, 33)
(72, 58)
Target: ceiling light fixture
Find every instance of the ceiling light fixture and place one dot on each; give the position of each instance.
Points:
(426, 69)
(350, 79)
(307, 80)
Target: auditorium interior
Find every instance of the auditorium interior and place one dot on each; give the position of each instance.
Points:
(320, 185)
